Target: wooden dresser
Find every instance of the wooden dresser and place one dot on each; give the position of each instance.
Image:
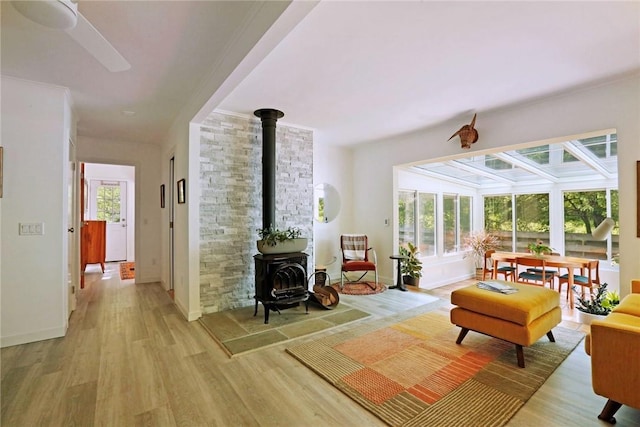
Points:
(93, 243)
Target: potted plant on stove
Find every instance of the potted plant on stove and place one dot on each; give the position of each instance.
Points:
(411, 266)
(598, 306)
(276, 241)
(478, 244)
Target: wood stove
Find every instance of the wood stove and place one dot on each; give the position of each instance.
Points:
(281, 282)
(281, 279)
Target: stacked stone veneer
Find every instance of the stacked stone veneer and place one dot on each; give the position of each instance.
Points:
(231, 202)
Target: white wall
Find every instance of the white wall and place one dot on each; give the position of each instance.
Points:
(614, 105)
(36, 128)
(333, 165)
(145, 158)
(182, 144)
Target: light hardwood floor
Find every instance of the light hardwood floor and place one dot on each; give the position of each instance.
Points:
(129, 358)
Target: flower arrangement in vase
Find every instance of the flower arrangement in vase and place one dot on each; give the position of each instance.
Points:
(539, 248)
(477, 245)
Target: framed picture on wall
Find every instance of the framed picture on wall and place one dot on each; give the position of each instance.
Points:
(162, 196)
(181, 191)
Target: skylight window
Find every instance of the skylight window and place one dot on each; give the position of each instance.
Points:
(540, 154)
(569, 161)
(495, 163)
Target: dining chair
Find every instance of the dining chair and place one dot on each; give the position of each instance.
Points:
(539, 276)
(589, 277)
(548, 271)
(487, 269)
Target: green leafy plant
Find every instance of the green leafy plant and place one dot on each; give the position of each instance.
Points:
(611, 299)
(272, 235)
(478, 244)
(411, 266)
(539, 248)
(601, 303)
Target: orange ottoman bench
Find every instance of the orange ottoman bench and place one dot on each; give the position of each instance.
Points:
(522, 317)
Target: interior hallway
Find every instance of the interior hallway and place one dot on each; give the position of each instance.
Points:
(129, 358)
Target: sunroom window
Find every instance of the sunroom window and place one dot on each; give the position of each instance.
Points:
(498, 219)
(414, 205)
(456, 213)
(523, 191)
(427, 224)
(532, 219)
(583, 212)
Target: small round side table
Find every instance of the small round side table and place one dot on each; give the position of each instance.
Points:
(399, 285)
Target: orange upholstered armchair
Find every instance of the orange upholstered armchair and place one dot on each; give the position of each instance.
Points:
(614, 344)
(355, 256)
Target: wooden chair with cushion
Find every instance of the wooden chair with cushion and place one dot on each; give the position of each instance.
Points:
(355, 256)
(547, 271)
(589, 277)
(539, 275)
(505, 270)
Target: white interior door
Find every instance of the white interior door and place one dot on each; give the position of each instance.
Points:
(72, 245)
(109, 202)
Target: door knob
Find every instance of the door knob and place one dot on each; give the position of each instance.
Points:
(70, 230)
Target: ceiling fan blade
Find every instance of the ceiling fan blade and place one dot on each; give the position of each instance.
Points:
(87, 36)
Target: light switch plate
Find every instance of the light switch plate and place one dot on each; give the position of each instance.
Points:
(31, 228)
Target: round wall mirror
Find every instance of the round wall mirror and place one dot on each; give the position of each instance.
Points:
(326, 203)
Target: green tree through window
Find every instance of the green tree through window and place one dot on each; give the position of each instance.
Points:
(108, 199)
(583, 212)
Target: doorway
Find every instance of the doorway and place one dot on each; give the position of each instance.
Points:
(171, 235)
(108, 202)
(110, 198)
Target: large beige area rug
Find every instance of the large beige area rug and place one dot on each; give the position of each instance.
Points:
(238, 331)
(412, 373)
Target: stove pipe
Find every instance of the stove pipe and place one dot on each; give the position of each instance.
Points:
(269, 118)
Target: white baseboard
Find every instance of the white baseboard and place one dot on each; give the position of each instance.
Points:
(143, 280)
(447, 281)
(190, 316)
(45, 334)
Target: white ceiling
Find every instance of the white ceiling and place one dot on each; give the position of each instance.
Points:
(358, 71)
(352, 71)
(175, 48)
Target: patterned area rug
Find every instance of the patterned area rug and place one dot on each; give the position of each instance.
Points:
(238, 331)
(412, 373)
(360, 288)
(127, 270)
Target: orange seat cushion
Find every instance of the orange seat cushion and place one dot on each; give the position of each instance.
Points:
(358, 266)
(522, 307)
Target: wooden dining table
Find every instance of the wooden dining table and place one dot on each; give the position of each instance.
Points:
(558, 261)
